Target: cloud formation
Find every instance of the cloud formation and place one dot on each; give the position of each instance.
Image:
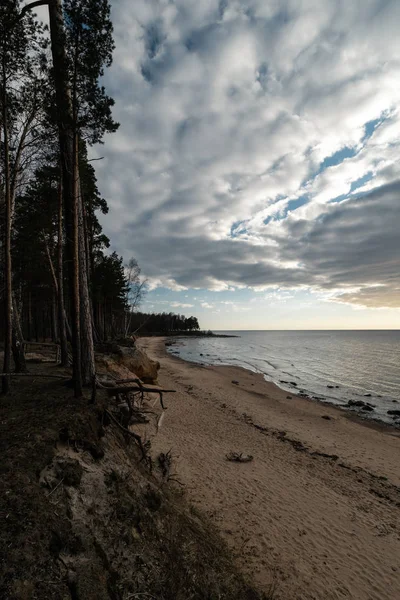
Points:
(258, 146)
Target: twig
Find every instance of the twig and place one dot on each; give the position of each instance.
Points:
(54, 488)
(160, 420)
(176, 481)
(141, 594)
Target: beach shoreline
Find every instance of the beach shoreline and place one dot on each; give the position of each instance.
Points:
(321, 498)
(360, 409)
(366, 419)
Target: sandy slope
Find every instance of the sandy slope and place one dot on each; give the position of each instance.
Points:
(322, 527)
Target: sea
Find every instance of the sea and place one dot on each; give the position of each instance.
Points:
(330, 366)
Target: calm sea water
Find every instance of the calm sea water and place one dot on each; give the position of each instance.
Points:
(356, 363)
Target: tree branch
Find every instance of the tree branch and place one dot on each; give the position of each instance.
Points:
(31, 6)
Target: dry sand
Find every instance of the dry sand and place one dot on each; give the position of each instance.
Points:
(320, 527)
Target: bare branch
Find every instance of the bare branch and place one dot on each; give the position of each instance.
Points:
(31, 6)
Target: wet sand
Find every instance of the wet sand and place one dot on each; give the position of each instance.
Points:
(316, 513)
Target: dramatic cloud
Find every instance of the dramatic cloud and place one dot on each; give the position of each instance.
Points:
(258, 146)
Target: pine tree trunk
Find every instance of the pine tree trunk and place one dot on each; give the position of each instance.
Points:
(62, 325)
(54, 323)
(17, 340)
(29, 315)
(88, 366)
(36, 325)
(105, 320)
(87, 361)
(67, 137)
(7, 243)
(88, 229)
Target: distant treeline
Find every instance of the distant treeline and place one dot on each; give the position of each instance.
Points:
(143, 323)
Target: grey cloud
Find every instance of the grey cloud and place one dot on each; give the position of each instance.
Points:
(227, 108)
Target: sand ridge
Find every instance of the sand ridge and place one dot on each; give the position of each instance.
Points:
(316, 512)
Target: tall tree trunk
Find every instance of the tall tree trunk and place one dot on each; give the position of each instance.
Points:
(56, 278)
(54, 320)
(105, 320)
(17, 340)
(88, 231)
(29, 315)
(62, 325)
(86, 316)
(7, 242)
(36, 323)
(69, 160)
(67, 151)
(87, 362)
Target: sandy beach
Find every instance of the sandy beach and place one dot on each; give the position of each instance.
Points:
(315, 515)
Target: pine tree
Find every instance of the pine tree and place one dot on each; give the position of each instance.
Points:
(83, 108)
(19, 108)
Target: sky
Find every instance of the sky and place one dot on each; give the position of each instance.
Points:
(255, 175)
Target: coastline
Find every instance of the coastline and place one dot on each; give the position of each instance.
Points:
(317, 509)
(358, 408)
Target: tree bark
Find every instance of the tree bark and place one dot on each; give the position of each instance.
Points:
(105, 320)
(29, 315)
(17, 340)
(87, 228)
(7, 241)
(54, 320)
(58, 280)
(62, 325)
(88, 365)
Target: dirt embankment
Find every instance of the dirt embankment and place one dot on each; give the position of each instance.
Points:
(83, 518)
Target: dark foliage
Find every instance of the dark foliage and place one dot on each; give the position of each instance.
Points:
(162, 323)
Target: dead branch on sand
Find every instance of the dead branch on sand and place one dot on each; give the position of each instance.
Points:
(239, 457)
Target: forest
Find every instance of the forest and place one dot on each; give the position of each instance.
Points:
(58, 280)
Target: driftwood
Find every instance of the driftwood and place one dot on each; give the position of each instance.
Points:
(239, 457)
(115, 391)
